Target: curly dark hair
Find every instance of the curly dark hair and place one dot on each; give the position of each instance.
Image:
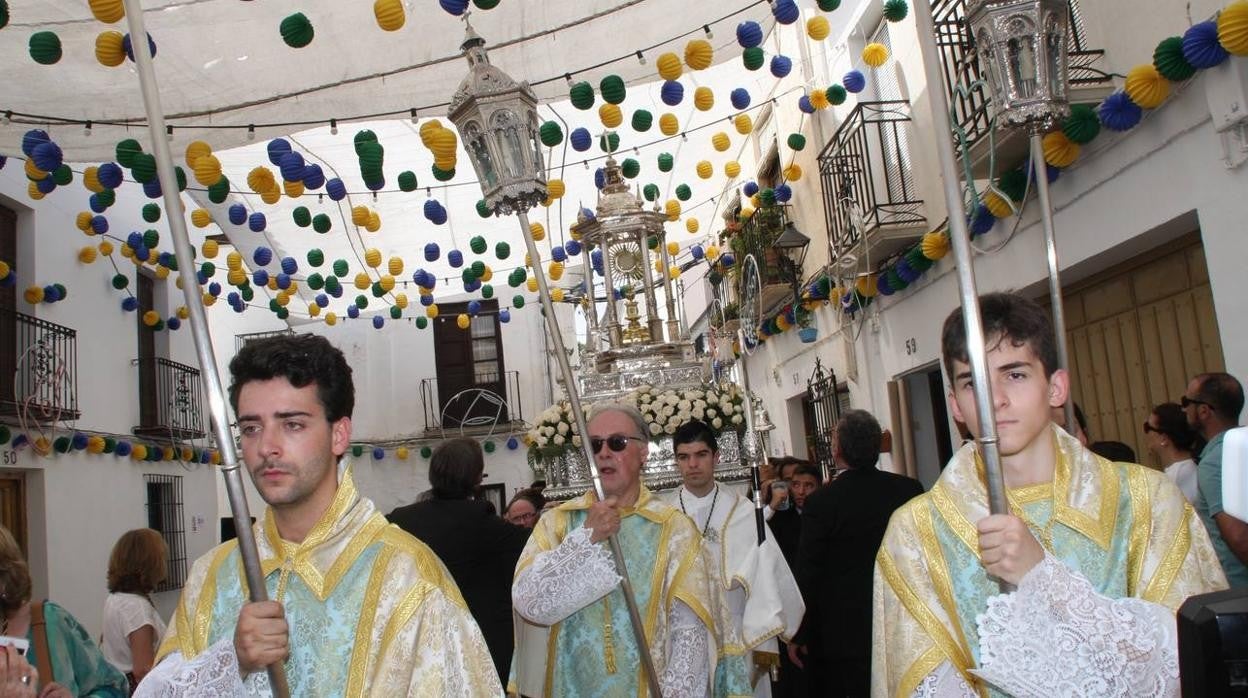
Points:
(455, 468)
(302, 359)
(694, 431)
(858, 439)
(1007, 317)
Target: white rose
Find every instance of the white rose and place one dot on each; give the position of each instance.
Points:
(559, 440)
(541, 441)
(671, 428)
(669, 411)
(576, 441)
(717, 423)
(700, 404)
(710, 412)
(655, 428)
(695, 394)
(698, 413)
(563, 427)
(736, 419)
(549, 430)
(683, 416)
(684, 404)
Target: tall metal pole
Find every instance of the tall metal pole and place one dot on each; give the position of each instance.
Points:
(751, 448)
(199, 324)
(1039, 171)
(574, 401)
(960, 238)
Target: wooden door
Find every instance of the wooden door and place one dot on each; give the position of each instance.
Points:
(9, 349)
(148, 398)
(13, 506)
(466, 360)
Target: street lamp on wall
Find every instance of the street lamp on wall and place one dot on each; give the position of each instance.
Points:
(1022, 48)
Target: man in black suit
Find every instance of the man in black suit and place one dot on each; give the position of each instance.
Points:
(842, 526)
(478, 547)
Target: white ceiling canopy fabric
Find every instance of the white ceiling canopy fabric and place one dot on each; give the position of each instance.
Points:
(222, 64)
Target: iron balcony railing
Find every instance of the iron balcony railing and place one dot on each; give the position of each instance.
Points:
(970, 108)
(38, 368)
(867, 178)
(491, 399)
(171, 401)
(241, 340)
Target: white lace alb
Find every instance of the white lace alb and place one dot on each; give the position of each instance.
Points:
(564, 580)
(685, 675)
(213, 673)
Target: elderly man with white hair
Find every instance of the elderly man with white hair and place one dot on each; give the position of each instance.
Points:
(574, 633)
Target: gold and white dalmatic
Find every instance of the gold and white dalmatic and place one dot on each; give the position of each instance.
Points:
(1123, 549)
(763, 601)
(371, 612)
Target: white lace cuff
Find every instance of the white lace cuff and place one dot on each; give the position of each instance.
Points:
(944, 682)
(1056, 636)
(562, 581)
(213, 673)
(686, 673)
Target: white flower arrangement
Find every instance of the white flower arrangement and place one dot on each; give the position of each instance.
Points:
(721, 407)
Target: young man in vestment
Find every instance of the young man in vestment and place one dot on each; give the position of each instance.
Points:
(1102, 553)
(763, 600)
(358, 607)
(574, 637)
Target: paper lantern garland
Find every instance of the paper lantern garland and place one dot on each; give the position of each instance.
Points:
(45, 47)
(296, 30)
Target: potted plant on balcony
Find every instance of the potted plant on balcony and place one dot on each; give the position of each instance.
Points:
(807, 327)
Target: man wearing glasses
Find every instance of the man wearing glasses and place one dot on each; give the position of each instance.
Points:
(574, 635)
(1212, 404)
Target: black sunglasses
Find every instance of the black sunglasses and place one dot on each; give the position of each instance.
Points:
(616, 442)
(1186, 401)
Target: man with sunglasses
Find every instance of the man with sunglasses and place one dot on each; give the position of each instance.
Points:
(1212, 403)
(574, 633)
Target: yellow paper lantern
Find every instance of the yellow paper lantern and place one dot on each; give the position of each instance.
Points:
(235, 277)
(233, 260)
(556, 294)
(395, 266)
(935, 245)
(151, 317)
(431, 311)
(669, 66)
(747, 212)
(182, 312)
(87, 254)
(359, 215)
(703, 98)
(401, 453)
(555, 189)
(874, 54)
(195, 150)
(487, 274)
(272, 284)
(538, 232)
(705, 169)
(673, 272)
(362, 281)
(610, 115)
(1146, 87)
(107, 11)
(554, 270)
(374, 222)
(95, 444)
(658, 266)
(386, 283)
(177, 281)
(673, 209)
(209, 299)
(33, 173)
(91, 179)
(445, 164)
(110, 49)
(732, 168)
(792, 173)
(83, 221)
(32, 190)
(442, 142)
(712, 252)
(669, 125)
(162, 273)
(372, 257)
(390, 15)
(1233, 28)
(200, 218)
(400, 299)
(127, 252)
(463, 321)
(261, 179)
(698, 54)
(1060, 151)
(720, 141)
(531, 284)
(271, 196)
(817, 28)
(743, 124)
(139, 452)
(427, 130)
(105, 247)
(207, 169)
(997, 205)
(868, 286)
(293, 189)
(672, 249)
(691, 224)
(819, 99)
(331, 319)
(282, 298)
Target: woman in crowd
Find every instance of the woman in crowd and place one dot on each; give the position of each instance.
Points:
(525, 507)
(69, 663)
(1168, 435)
(132, 627)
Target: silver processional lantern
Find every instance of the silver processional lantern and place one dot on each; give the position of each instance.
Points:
(1022, 47)
(497, 121)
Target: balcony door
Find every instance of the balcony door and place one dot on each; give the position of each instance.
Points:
(883, 85)
(469, 361)
(149, 409)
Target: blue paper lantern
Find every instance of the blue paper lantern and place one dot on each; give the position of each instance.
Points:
(353, 311)
(426, 299)
(455, 7)
(504, 315)
(512, 443)
(882, 285)
(289, 265)
(750, 188)
(1201, 47)
(378, 322)
(785, 11)
(379, 452)
(672, 93)
(47, 156)
(46, 185)
(33, 138)
(151, 189)
(580, 139)
(558, 254)
(697, 252)
(335, 291)
(804, 104)
(740, 98)
(375, 184)
(432, 252)
(283, 280)
(130, 304)
(727, 260)
(981, 221)
(129, 49)
(123, 449)
(173, 323)
(256, 222)
(99, 224)
(260, 277)
(1119, 113)
(214, 289)
(600, 178)
(313, 177)
(233, 298)
(573, 247)
(783, 193)
(321, 300)
(97, 204)
(749, 34)
(237, 214)
(472, 285)
(110, 175)
(474, 307)
(336, 189)
(262, 256)
(781, 66)
(277, 148)
(854, 81)
(291, 165)
(455, 258)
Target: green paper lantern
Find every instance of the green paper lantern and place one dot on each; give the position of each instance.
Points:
(395, 312)
(377, 290)
(609, 142)
(407, 180)
(829, 5)
(425, 452)
(836, 94)
(219, 192)
(665, 162)
(151, 239)
(120, 281)
(517, 277)
(797, 141)
(151, 213)
(612, 89)
(642, 120)
(4, 19)
(357, 450)
(422, 322)
(442, 175)
(297, 30)
(683, 192)
(302, 216)
(371, 156)
(896, 10)
(630, 168)
(1013, 184)
(180, 175)
(107, 197)
(478, 268)
(502, 250)
(767, 196)
(274, 305)
(467, 276)
(110, 444)
(321, 223)
(341, 268)
(1082, 125)
(895, 281)
(331, 284)
(824, 286)
(144, 169)
(363, 136)
(487, 291)
(651, 192)
(517, 301)
(485, 4)
(247, 292)
(488, 446)
(550, 134)
(477, 244)
(63, 175)
(316, 257)
(1169, 61)
(582, 95)
(126, 150)
(45, 48)
(482, 209)
(752, 58)
(315, 281)
(361, 301)
(208, 269)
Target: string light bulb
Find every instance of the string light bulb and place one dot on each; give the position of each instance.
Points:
(707, 28)
(414, 119)
(568, 77)
(86, 129)
(333, 127)
(641, 58)
(251, 132)
(8, 117)
(168, 132)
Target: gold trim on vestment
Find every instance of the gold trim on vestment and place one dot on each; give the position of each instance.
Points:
(403, 613)
(1100, 530)
(939, 570)
(551, 653)
(924, 665)
(1141, 522)
(952, 515)
(1031, 493)
(1159, 586)
(207, 596)
(922, 614)
(360, 655)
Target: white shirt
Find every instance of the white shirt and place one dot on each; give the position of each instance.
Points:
(1183, 474)
(124, 614)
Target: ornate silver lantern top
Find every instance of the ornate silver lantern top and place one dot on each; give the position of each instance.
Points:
(1022, 47)
(497, 120)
